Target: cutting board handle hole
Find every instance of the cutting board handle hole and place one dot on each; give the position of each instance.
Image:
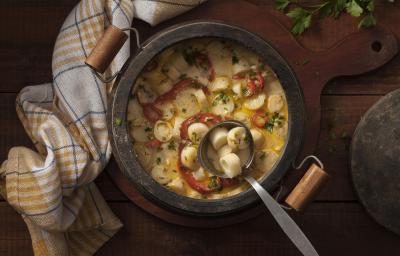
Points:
(376, 46)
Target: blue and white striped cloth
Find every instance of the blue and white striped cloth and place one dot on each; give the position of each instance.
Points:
(52, 188)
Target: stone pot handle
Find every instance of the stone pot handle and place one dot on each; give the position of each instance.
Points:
(107, 48)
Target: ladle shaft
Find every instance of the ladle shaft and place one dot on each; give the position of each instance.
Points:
(285, 222)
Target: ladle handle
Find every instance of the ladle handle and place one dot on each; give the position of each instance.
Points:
(285, 222)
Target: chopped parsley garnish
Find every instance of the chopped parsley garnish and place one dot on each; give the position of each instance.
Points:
(275, 120)
(196, 57)
(305, 62)
(184, 110)
(195, 136)
(148, 129)
(221, 97)
(262, 156)
(214, 183)
(118, 121)
(171, 145)
(247, 138)
(189, 54)
(158, 160)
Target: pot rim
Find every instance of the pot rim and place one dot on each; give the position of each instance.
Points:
(122, 144)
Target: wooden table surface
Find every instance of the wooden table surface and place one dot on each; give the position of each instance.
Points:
(336, 223)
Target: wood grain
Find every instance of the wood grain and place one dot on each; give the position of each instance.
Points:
(337, 224)
(30, 41)
(354, 233)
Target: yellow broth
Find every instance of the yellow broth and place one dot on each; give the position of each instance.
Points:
(227, 81)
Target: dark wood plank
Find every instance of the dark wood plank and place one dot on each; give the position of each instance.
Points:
(334, 229)
(33, 22)
(26, 51)
(14, 236)
(24, 65)
(340, 115)
(12, 132)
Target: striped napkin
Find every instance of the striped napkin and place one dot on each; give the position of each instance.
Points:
(52, 188)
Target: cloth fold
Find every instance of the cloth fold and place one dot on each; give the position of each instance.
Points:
(52, 188)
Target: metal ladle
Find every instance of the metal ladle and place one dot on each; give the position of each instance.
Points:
(284, 220)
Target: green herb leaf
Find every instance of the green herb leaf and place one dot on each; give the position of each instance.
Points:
(339, 8)
(221, 97)
(354, 9)
(171, 145)
(301, 20)
(371, 6)
(118, 121)
(327, 9)
(367, 21)
(305, 62)
(275, 120)
(214, 183)
(282, 4)
(302, 16)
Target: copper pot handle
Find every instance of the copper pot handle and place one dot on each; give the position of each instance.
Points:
(309, 186)
(106, 49)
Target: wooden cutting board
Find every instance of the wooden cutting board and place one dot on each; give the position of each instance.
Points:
(356, 54)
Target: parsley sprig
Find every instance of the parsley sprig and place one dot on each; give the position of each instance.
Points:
(302, 15)
(275, 120)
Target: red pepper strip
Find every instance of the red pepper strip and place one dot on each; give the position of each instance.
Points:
(238, 76)
(154, 143)
(255, 85)
(226, 183)
(261, 81)
(196, 185)
(151, 66)
(205, 118)
(177, 88)
(206, 91)
(252, 87)
(200, 186)
(211, 71)
(203, 61)
(186, 174)
(152, 113)
(259, 119)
